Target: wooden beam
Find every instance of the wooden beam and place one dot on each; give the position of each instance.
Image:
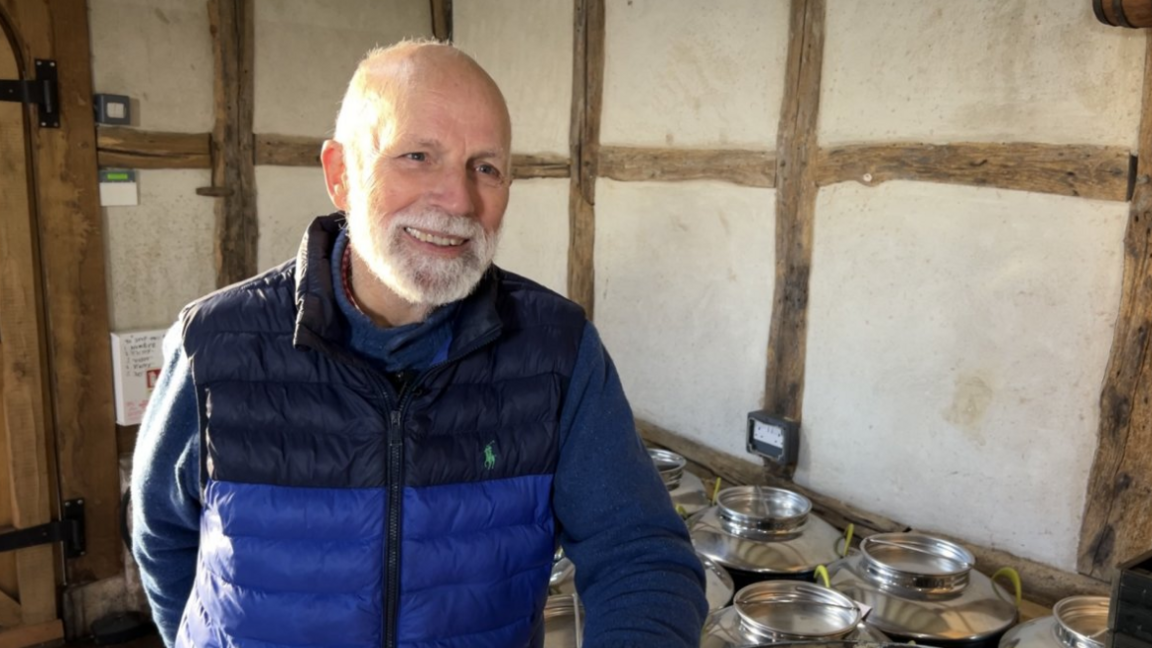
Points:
(1099, 172)
(126, 439)
(137, 149)
(1116, 524)
(745, 168)
(9, 612)
(795, 210)
(32, 635)
(288, 150)
(1095, 172)
(841, 513)
(233, 158)
(584, 142)
(1042, 583)
(442, 20)
(738, 472)
(294, 150)
(72, 247)
(539, 166)
(732, 470)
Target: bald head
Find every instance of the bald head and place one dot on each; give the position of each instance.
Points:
(396, 80)
(421, 165)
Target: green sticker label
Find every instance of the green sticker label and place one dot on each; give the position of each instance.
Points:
(119, 175)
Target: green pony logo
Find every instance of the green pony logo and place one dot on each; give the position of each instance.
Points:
(489, 457)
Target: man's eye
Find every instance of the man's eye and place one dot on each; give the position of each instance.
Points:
(488, 169)
(415, 157)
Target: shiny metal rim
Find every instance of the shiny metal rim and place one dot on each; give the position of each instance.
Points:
(563, 606)
(1070, 615)
(930, 585)
(783, 592)
(670, 465)
(722, 575)
(784, 512)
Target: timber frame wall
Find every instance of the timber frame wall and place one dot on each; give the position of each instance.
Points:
(1121, 475)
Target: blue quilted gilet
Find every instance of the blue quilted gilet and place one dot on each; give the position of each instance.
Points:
(337, 512)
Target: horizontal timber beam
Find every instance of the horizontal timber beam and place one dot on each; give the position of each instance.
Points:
(741, 167)
(1042, 583)
(539, 166)
(294, 150)
(140, 149)
(288, 150)
(1099, 172)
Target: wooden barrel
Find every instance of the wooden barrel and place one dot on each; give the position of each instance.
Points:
(1133, 14)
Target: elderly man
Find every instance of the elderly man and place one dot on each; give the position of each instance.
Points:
(380, 442)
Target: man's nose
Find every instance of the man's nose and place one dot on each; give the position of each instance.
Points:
(454, 192)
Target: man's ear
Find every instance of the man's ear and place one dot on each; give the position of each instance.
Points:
(335, 173)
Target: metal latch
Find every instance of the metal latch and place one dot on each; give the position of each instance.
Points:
(69, 530)
(41, 92)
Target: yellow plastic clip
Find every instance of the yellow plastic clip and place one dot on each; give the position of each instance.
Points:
(682, 511)
(716, 492)
(1014, 577)
(848, 531)
(822, 575)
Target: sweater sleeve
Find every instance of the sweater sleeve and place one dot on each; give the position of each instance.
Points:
(166, 490)
(638, 577)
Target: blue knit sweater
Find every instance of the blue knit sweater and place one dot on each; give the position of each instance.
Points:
(649, 589)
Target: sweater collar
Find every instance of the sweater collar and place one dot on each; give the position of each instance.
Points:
(320, 323)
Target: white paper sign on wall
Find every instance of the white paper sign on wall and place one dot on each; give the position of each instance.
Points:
(136, 362)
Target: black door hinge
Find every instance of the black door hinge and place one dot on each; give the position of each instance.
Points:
(69, 530)
(41, 92)
(1133, 166)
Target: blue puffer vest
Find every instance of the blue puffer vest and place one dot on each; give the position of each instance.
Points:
(337, 512)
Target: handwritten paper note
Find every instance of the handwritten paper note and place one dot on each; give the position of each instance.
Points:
(136, 360)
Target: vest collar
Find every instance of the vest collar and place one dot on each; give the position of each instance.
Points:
(321, 325)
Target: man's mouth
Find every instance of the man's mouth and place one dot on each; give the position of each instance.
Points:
(427, 237)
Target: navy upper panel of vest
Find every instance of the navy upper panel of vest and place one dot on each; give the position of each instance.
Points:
(289, 416)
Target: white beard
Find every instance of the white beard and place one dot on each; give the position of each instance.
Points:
(418, 278)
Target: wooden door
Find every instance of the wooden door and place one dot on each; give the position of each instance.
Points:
(28, 577)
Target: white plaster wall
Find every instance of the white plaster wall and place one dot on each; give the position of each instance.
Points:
(690, 73)
(159, 253)
(534, 242)
(159, 53)
(287, 199)
(526, 46)
(957, 340)
(1012, 70)
(307, 50)
(684, 276)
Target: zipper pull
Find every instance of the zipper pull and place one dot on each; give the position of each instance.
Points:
(395, 432)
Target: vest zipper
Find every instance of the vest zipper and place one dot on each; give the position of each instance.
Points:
(392, 558)
(396, 489)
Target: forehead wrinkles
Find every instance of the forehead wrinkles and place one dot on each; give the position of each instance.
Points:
(401, 87)
(465, 106)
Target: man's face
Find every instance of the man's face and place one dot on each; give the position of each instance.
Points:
(426, 214)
